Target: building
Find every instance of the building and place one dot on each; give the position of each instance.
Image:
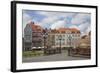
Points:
(64, 37)
(85, 41)
(33, 36)
(84, 49)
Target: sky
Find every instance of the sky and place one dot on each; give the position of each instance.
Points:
(56, 20)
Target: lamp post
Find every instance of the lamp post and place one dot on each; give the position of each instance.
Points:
(69, 49)
(60, 38)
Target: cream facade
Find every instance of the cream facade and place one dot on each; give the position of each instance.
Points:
(64, 37)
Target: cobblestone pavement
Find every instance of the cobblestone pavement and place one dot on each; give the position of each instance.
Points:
(55, 57)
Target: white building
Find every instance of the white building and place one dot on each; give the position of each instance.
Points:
(65, 37)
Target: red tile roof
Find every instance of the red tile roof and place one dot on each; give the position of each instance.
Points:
(64, 30)
(36, 27)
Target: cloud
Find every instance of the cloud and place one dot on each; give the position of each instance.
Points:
(58, 24)
(82, 21)
(84, 28)
(45, 13)
(53, 17)
(26, 19)
(49, 20)
(55, 20)
(81, 18)
(55, 14)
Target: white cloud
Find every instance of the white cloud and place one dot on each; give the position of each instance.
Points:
(58, 24)
(55, 20)
(82, 21)
(47, 14)
(55, 14)
(49, 20)
(80, 18)
(83, 26)
(53, 17)
(26, 19)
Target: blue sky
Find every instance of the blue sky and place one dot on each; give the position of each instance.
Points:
(56, 20)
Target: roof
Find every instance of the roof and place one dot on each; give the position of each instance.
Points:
(65, 30)
(35, 27)
(74, 30)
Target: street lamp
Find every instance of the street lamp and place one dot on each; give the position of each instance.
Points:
(60, 38)
(69, 49)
